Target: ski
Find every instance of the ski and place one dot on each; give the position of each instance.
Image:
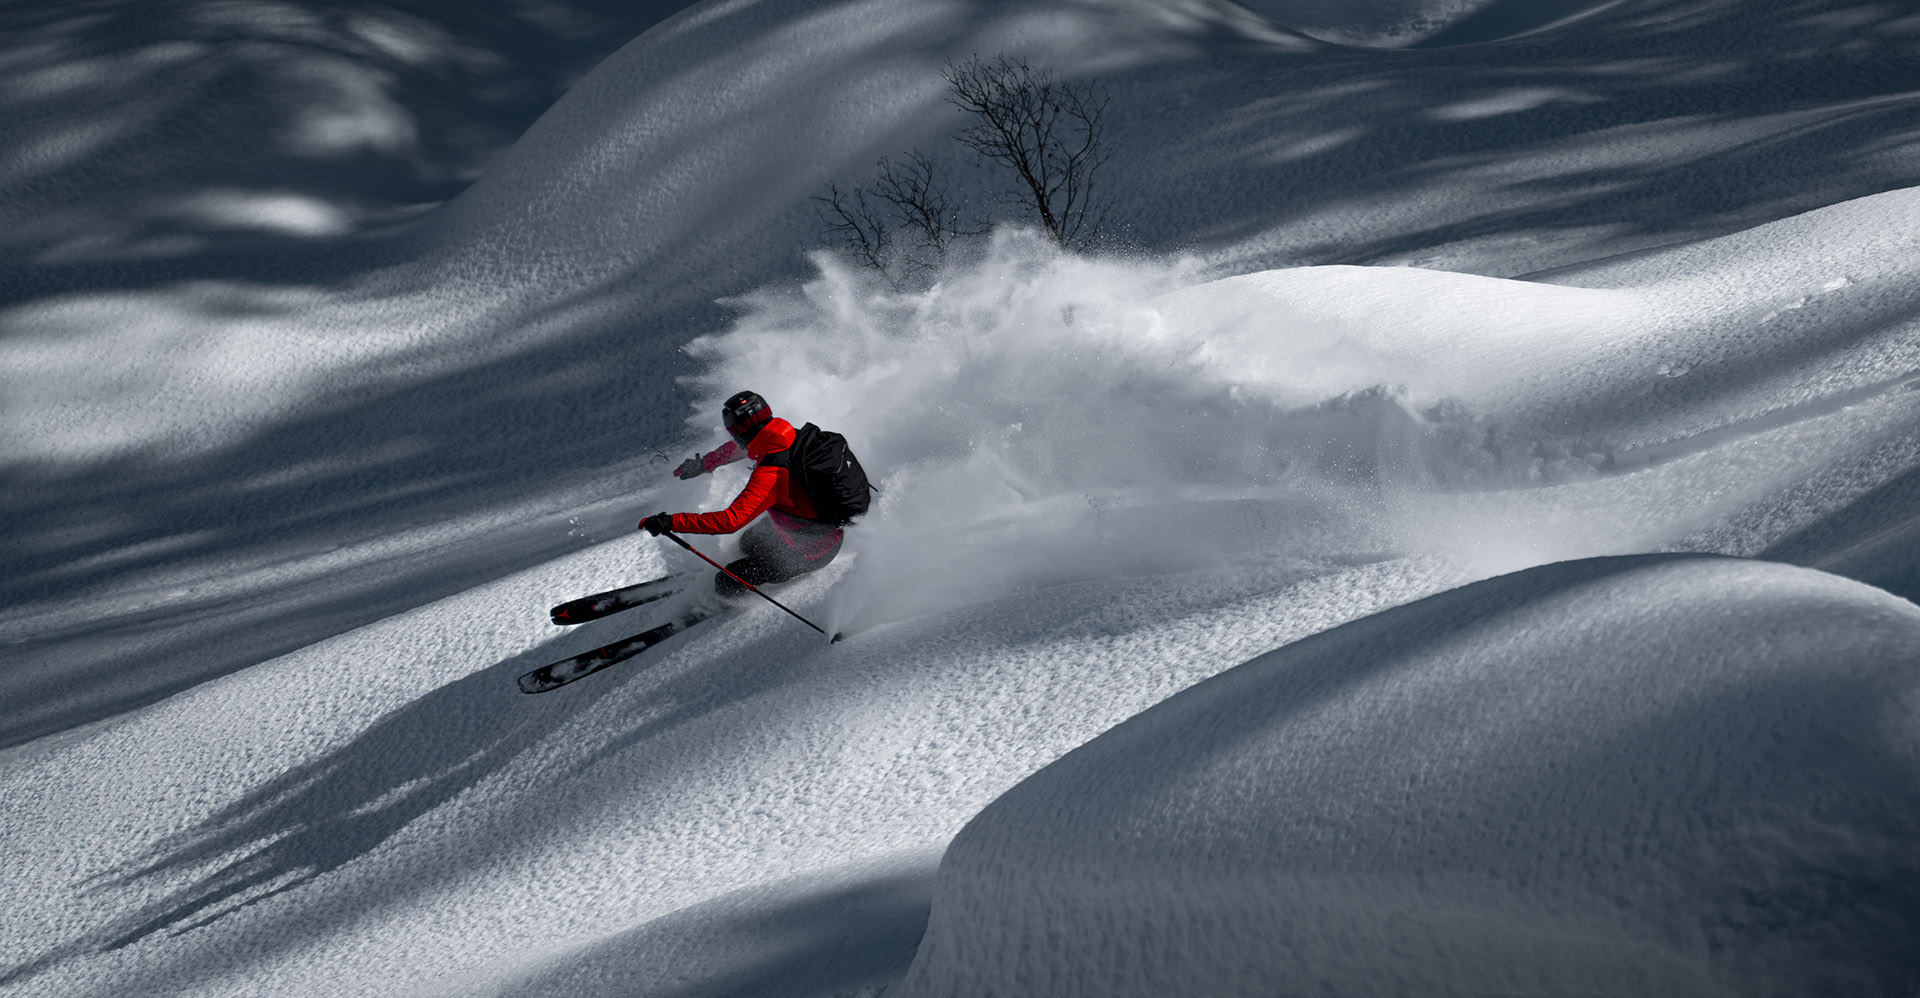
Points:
(567, 670)
(579, 611)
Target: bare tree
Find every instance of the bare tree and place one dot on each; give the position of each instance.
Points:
(919, 199)
(902, 224)
(853, 223)
(1046, 130)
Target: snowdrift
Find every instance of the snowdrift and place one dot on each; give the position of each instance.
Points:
(1638, 776)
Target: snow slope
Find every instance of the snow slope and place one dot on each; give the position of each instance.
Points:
(280, 539)
(358, 421)
(373, 811)
(1628, 776)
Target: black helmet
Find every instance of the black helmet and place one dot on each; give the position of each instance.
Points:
(744, 414)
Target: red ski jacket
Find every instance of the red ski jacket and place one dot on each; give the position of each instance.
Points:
(773, 486)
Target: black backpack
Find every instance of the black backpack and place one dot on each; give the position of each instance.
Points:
(830, 474)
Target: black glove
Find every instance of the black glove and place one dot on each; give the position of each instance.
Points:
(692, 467)
(657, 524)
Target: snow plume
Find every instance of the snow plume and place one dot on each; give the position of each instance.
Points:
(1039, 417)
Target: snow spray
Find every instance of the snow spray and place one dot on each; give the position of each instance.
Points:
(1039, 417)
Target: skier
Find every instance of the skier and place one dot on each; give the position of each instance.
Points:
(806, 481)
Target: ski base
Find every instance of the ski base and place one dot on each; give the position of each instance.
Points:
(579, 611)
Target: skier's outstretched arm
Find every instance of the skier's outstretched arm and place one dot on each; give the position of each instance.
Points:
(700, 464)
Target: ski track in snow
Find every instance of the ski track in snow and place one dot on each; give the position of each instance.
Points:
(292, 525)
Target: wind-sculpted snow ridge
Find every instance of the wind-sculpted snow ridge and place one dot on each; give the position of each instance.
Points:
(1638, 776)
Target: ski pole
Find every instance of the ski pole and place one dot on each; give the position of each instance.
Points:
(677, 539)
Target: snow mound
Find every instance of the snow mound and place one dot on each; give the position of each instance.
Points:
(1633, 776)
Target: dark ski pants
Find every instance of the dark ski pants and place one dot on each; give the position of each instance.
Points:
(770, 554)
